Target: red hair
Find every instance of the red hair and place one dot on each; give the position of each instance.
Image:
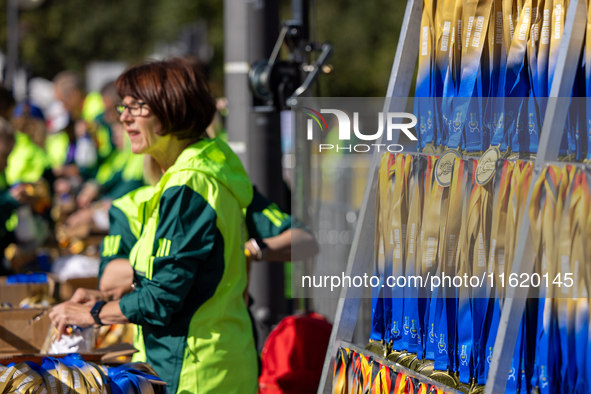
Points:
(176, 93)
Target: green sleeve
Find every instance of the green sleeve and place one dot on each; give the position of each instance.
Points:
(111, 184)
(118, 244)
(264, 219)
(188, 231)
(123, 188)
(105, 147)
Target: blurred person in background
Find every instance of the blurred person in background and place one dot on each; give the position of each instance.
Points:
(11, 198)
(7, 103)
(122, 171)
(28, 161)
(23, 170)
(80, 143)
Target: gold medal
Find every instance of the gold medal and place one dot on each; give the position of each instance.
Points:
(393, 356)
(377, 347)
(408, 361)
(477, 390)
(426, 368)
(414, 364)
(429, 149)
(444, 167)
(401, 355)
(463, 388)
(487, 165)
(445, 378)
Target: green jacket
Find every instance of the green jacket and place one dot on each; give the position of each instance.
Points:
(190, 269)
(121, 173)
(264, 219)
(124, 226)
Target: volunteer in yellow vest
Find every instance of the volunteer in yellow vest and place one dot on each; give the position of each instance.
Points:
(82, 110)
(10, 198)
(28, 161)
(121, 173)
(189, 263)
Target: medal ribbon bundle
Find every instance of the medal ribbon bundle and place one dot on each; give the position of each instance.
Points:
(72, 375)
(467, 228)
(485, 70)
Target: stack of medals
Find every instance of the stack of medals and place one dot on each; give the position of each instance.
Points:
(71, 374)
(485, 72)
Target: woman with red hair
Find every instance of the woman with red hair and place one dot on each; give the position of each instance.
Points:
(189, 262)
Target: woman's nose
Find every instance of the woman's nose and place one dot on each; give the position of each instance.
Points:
(125, 116)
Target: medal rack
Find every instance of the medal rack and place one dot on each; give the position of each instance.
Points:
(363, 242)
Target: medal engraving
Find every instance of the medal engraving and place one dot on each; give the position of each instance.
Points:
(487, 166)
(444, 168)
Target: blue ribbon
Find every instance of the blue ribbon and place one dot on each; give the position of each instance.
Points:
(377, 309)
(411, 328)
(581, 331)
(126, 379)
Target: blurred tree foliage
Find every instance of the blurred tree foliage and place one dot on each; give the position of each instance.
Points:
(364, 35)
(67, 34)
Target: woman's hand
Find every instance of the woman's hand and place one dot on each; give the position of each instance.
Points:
(88, 297)
(68, 314)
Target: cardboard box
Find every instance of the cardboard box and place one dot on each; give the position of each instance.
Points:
(23, 330)
(99, 356)
(67, 288)
(14, 293)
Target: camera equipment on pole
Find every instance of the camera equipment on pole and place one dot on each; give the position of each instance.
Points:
(275, 83)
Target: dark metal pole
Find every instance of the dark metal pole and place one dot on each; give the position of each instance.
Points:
(12, 44)
(251, 29)
(302, 199)
(300, 11)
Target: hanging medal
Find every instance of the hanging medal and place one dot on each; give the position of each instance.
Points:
(397, 234)
(378, 329)
(580, 296)
(496, 261)
(411, 332)
(423, 103)
(465, 326)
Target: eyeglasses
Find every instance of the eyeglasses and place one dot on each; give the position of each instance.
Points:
(136, 109)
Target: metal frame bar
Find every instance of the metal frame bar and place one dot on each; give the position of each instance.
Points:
(363, 245)
(570, 49)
